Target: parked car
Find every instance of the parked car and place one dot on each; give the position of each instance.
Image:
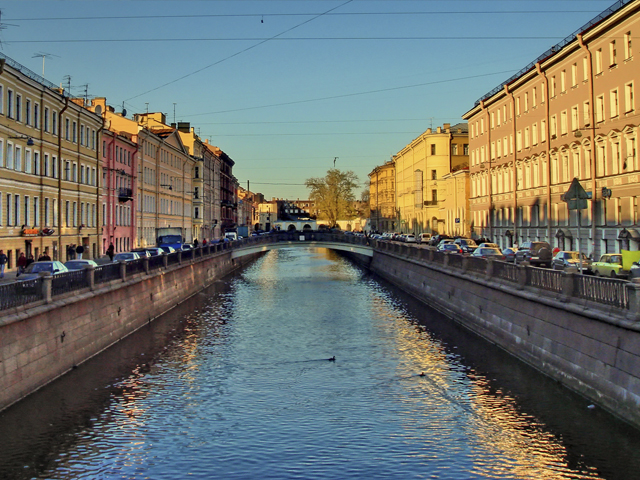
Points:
(510, 254)
(537, 254)
(155, 251)
(126, 256)
(410, 238)
(609, 265)
(79, 264)
(450, 247)
(33, 271)
(143, 252)
(635, 270)
(435, 240)
(167, 249)
(466, 244)
(488, 252)
(488, 245)
(565, 259)
(423, 238)
(444, 241)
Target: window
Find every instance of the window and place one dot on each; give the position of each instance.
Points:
(18, 108)
(27, 119)
(600, 109)
(564, 129)
(1, 104)
(613, 103)
(74, 132)
(9, 218)
(27, 217)
(586, 114)
(526, 101)
(575, 118)
(465, 149)
(543, 130)
(1, 153)
(454, 149)
(553, 127)
(526, 137)
(434, 175)
(628, 98)
(54, 123)
(613, 56)
(563, 81)
(433, 149)
(81, 134)
(46, 119)
(534, 97)
(27, 161)
(18, 158)
(46, 212)
(574, 74)
(598, 61)
(16, 210)
(498, 117)
(534, 134)
(628, 52)
(36, 115)
(67, 213)
(519, 140)
(518, 106)
(552, 87)
(75, 172)
(585, 69)
(10, 103)
(54, 166)
(66, 128)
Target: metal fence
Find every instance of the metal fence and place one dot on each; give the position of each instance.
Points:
(68, 282)
(20, 293)
(550, 280)
(608, 291)
(106, 273)
(505, 271)
(477, 265)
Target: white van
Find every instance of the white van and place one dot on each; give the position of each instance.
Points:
(424, 238)
(232, 236)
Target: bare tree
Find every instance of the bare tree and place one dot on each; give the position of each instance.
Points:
(333, 194)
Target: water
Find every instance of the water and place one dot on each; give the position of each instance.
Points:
(236, 384)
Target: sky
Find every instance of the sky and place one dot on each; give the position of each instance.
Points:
(287, 87)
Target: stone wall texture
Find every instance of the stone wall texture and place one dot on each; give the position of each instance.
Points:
(39, 344)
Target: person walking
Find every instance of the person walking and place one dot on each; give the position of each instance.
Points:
(79, 251)
(111, 252)
(195, 243)
(30, 260)
(21, 263)
(3, 263)
(71, 250)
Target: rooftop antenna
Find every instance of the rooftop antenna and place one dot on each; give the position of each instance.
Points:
(44, 55)
(334, 161)
(174, 112)
(67, 78)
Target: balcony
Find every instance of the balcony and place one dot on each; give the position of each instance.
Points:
(125, 194)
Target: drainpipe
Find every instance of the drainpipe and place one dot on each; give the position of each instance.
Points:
(547, 109)
(509, 93)
(592, 120)
(66, 105)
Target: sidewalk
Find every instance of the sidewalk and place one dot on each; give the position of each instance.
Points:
(10, 276)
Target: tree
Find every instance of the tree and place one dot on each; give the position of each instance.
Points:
(333, 194)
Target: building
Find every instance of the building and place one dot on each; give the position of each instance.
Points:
(286, 215)
(119, 183)
(569, 114)
(419, 168)
(382, 197)
(51, 168)
(454, 209)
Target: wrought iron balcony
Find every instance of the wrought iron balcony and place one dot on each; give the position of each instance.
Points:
(125, 194)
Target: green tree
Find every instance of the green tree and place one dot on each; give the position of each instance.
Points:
(333, 194)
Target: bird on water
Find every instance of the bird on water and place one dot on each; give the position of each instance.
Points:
(332, 359)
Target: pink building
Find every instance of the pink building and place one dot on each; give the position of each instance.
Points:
(119, 174)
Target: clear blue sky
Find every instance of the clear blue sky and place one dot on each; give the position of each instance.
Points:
(283, 87)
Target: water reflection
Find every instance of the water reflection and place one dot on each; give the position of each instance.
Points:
(236, 383)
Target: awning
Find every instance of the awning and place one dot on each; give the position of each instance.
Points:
(563, 233)
(631, 233)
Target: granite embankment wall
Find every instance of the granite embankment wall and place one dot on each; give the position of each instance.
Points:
(592, 349)
(40, 343)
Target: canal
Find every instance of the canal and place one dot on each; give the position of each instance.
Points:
(238, 383)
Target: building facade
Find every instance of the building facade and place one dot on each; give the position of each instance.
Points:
(569, 114)
(382, 197)
(51, 168)
(419, 168)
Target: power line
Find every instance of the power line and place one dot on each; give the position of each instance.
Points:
(332, 14)
(345, 95)
(240, 52)
(262, 40)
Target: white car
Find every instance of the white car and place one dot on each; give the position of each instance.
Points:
(410, 238)
(126, 256)
(423, 238)
(79, 264)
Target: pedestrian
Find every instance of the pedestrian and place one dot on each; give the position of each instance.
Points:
(30, 260)
(204, 242)
(44, 257)
(110, 252)
(3, 263)
(195, 243)
(71, 251)
(79, 251)
(21, 263)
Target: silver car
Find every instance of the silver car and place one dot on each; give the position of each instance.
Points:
(33, 271)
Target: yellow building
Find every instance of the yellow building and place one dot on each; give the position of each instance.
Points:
(420, 167)
(454, 209)
(382, 197)
(50, 163)
(569, 114)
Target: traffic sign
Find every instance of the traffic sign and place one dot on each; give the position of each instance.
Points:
(576, 197)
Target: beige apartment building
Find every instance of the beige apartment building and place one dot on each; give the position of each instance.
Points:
(50, 164)
(382, 197)
(569, 114)
(420, 168)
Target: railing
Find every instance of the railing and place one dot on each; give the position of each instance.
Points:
(68, 282)
(20, 293)
(550, 280)
(604, 291)
(609, 291)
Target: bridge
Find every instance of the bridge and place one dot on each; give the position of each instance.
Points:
(277, 241)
